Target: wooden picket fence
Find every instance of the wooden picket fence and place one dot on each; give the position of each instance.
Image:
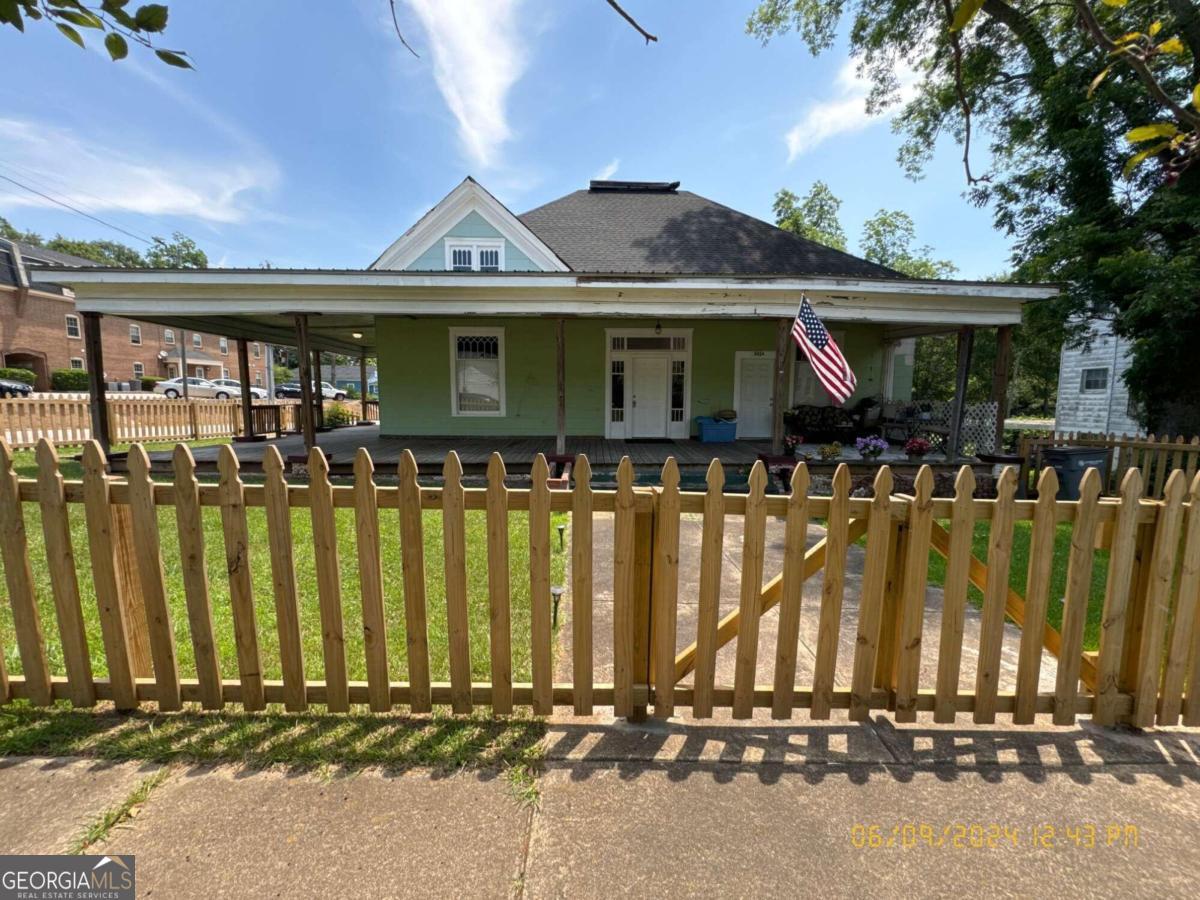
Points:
(1155, 457)
(1147, 668)
(26, 421)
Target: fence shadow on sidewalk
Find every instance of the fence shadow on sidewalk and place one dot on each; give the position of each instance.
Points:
(298, 743)
(875, 749)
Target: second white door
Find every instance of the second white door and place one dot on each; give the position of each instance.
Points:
(651, 396)
(753, 401)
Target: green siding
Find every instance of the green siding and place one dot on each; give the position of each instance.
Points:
(414, 371)
(472, 225)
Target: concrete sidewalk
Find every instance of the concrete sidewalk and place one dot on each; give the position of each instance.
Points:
(664, 809)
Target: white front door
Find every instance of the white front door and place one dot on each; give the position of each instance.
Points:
(753, 400)
(651, 396)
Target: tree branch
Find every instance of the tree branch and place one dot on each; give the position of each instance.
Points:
(961, 91)
(399, 34)
(1136, 62)
(632, 21)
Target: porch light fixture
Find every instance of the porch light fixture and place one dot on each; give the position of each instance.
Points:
(658, 326)
(357, 335)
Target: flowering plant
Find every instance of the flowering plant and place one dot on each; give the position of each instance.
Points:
(917, 446)
(830, 452)
(791, 442)
(871, 446)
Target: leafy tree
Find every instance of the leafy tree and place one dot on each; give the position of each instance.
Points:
(815, 217)
(12, 233)
(104, 253)
(1121, 239)
(887, 239)
(111, 18)
(181, 252)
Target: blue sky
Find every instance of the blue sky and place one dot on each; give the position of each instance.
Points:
(316, 140)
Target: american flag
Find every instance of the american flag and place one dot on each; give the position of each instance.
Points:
(823, 354)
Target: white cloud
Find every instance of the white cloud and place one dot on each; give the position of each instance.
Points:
(844, 113)
(149, 181)
(609, 170)
(478, 56)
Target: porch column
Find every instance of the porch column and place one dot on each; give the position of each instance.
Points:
(362, 390)
(317, 394)
(560, 341)
(307, 427)
(97, 398)
(779, 389)
(247, 399)
(1001, 373)
(966, 343)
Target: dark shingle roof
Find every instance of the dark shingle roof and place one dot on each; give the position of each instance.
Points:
(662, 230)
(34, 257)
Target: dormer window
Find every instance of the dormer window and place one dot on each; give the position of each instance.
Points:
(485, 255)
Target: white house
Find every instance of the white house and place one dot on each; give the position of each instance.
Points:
(1092, 395)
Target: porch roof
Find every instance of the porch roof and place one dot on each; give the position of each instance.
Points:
(343, 303)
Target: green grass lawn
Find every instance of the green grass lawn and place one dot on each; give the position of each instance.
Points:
(1020, 570)
(307, 590)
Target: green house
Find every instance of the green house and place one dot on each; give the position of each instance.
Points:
(623, 311)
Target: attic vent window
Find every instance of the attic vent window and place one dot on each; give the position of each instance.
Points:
(633, 187)
(475, 255)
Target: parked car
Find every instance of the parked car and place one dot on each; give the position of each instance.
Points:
(236, 386)
(11, 388)
(197, 387)
(291, 390)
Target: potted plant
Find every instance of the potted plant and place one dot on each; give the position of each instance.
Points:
(830, 452)
(791, 443)
(917, 447)
(870, 447)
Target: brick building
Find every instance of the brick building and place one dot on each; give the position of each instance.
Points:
(40, 330)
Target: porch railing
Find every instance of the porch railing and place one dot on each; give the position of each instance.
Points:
(1147, 668)
(25, 421)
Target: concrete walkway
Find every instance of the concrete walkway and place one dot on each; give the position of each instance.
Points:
(664, 809)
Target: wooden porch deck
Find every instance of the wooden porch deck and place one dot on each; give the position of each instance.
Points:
(518, 452)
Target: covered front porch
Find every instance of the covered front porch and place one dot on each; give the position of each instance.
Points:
(564, 364)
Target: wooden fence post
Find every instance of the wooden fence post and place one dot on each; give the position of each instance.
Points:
(643, 576)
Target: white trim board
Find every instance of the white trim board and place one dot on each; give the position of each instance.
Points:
(469, 196)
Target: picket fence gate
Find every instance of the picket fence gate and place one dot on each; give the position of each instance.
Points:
(1147, 668)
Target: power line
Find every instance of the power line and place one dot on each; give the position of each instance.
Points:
(76, 210)
(63, 189)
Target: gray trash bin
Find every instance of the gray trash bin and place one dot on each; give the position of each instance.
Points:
(1070, 463)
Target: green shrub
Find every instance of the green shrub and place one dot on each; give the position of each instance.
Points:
(352, 392)
(338, 414)
(149, 381)
(25, 375)
(69, 379)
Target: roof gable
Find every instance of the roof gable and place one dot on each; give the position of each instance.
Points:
(468, 211)
(655, 228)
